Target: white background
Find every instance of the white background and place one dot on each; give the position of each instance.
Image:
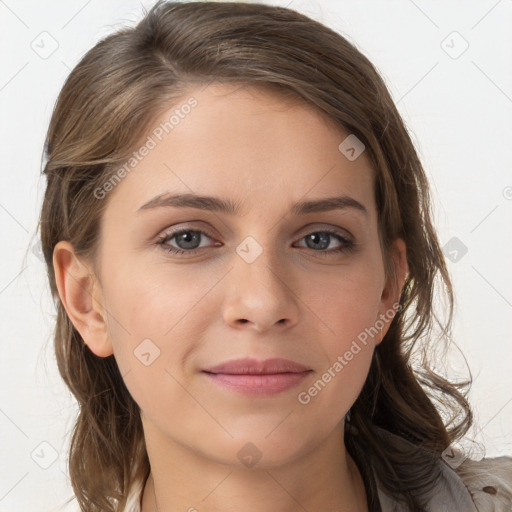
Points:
(458, 110)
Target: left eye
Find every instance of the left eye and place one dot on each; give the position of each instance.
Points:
(323, 238)
(188, 242)
(187, 237)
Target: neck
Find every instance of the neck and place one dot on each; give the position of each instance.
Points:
(327, 479)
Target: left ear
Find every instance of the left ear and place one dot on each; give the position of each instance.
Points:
(394, 283)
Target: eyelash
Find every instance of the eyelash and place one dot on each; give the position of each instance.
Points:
(346, 247)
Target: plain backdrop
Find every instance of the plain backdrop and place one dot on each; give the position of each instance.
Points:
(448, 67)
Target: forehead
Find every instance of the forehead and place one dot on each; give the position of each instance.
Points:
(247, 142)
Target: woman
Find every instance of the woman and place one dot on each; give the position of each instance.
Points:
(238, 237)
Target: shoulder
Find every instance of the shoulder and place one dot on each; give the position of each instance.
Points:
(489, 482)
(134, 497)
(464, 484)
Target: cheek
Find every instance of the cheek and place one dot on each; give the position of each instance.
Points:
(154, 321)
(348, 302)
(348, 309)
(333, 390)
(151, 302)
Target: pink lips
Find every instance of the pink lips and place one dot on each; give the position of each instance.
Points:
(253, 377)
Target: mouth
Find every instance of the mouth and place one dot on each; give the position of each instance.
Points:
(252, 377)
(258, 385)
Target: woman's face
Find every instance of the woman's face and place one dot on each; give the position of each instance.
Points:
(283, 274)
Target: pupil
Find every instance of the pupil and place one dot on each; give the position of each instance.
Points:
(188, 235)
(322, 238)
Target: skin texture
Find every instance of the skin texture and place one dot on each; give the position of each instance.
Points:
(254, 148)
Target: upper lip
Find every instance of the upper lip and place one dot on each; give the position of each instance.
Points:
(249, 366)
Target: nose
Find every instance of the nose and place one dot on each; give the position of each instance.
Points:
(261, 293)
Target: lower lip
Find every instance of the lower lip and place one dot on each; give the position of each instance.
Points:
(258, 385)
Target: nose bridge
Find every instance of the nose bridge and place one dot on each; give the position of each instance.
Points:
(260, 292)
(259, 264)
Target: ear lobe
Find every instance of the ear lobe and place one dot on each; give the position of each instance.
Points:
(80, 294)
(394, 283)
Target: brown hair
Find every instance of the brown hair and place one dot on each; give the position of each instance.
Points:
(109, 100)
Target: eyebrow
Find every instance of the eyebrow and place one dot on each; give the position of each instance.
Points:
(217, 204)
